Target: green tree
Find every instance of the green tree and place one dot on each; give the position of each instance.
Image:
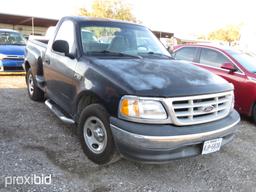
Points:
(229, 33)
(114, 9)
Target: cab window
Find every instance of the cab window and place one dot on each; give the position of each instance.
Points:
(66, 32)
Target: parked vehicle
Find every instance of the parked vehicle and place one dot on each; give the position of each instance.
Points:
(237, 67)
(12, 47)
(126, 97)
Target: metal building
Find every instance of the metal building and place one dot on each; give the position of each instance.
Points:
(27, 25)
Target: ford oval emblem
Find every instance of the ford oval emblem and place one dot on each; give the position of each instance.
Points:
(207, 108)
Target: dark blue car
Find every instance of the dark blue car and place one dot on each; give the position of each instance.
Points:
(12, 48)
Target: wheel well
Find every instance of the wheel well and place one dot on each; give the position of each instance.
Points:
(39, 66)
(27, 66)
(86, 100)
(251, 110)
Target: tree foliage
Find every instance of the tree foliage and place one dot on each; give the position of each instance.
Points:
(114, 9)
(229, 33)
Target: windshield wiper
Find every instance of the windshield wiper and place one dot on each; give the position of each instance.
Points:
(115, 53)
(158, 54)
(17, 44)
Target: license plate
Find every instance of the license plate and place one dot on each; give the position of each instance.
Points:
(212, 146)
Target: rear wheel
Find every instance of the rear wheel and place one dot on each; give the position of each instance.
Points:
(95, 135)
(34, 92)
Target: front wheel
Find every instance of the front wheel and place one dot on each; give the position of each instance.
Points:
(95, 135)
(34, 92)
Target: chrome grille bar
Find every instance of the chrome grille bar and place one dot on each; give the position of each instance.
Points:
(199, 109)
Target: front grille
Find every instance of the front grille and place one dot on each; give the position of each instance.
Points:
(199, 109)
(13, 68)
(14, 57)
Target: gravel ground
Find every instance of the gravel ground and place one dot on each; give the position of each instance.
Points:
(34, 142)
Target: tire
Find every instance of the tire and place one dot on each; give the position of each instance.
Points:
(254, 113)
(96, 136)
(34, 92)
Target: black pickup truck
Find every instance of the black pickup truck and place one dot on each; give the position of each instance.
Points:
(126, 95)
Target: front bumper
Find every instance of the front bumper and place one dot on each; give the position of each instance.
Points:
(11, 65)
(162, 143)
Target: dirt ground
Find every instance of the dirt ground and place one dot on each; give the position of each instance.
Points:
(34, 142)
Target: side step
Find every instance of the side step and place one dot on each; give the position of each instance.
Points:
(58, 113)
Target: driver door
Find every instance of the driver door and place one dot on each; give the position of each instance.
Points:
(59, 69)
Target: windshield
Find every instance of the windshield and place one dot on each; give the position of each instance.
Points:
(113, 37)
(88, 36)
(247, 60)
(11, 38)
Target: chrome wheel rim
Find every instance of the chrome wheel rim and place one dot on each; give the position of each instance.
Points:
(95, 134)
(30, 84)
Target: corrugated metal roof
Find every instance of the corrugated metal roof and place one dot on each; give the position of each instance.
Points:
(26, 20)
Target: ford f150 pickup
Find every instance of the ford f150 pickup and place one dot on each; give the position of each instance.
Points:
(12, 47)
(126, 95)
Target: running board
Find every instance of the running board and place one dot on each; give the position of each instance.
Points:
(58, 113)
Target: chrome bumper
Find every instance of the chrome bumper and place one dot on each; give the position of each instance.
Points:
(162, 143)
(169, 142)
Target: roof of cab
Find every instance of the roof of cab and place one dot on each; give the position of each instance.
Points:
(86, 18)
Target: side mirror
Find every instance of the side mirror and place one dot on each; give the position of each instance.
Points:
(61, 46)
(229, 66)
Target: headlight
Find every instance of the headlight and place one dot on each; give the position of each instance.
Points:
(2, 56)
(134, 108)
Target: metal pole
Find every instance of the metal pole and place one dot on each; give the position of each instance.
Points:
(33, 30)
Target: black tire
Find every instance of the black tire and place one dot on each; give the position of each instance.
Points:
(34, 92)
(97, 113)
(254, 113)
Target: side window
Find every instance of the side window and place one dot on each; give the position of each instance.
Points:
(186, 53)
(212, 58)
(67, 32)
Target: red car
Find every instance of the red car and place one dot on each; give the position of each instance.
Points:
(237, 67)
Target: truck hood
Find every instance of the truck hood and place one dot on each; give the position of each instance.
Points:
(160, 77)
(12, 49)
